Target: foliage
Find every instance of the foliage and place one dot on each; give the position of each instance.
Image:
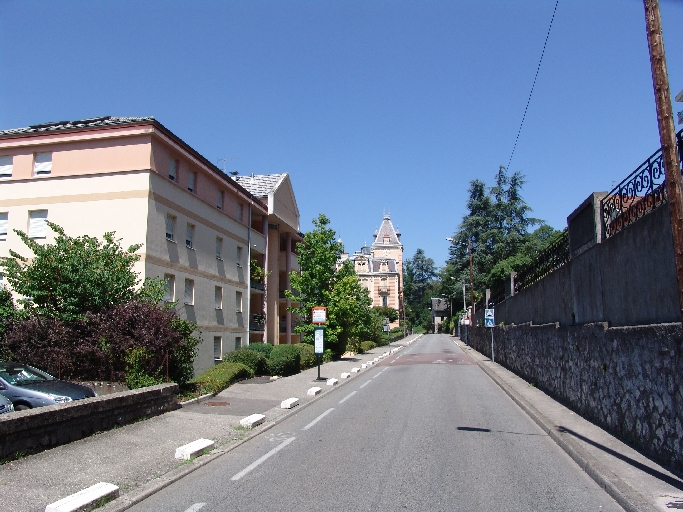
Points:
(367, 345)
(74, 276)
(8, 314)
(251, 358)
(307, 355)
(136, 374)
(263, 348)
(386, 312)
(327, 355)
(421, 284)
(284, 360)
(321, 283)
(217, 378)
(258, 274)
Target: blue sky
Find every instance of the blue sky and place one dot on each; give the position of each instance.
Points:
(370, 106)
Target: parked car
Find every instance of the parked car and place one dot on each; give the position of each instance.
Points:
(5, 405)
(27, 387)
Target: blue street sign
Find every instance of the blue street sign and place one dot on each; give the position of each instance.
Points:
(488, 318)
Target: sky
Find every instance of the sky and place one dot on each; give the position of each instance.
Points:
(371, 106)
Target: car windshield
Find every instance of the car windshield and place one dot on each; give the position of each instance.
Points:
(19, 375)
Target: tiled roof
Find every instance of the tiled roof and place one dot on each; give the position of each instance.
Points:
(259, 185)
(386, 229)
(70, 125)
(376, 265)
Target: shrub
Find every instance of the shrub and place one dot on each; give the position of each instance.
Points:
(219, 377)
(328, 355)
(263, 348)
(250, 358)
(136, 375)
(284, 360)
(367, 345)
(307, 354)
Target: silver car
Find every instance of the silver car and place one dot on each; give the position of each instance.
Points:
(27, 387)
(5, 405)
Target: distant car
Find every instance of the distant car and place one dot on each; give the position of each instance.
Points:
(27, 387)
(5, 405)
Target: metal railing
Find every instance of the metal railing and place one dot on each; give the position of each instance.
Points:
(640, 193)
(552, 257)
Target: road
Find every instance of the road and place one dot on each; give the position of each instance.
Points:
(424, 430)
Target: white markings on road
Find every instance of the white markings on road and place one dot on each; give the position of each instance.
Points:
(347, 397)
(380, 373)
(328, 411)
(363, 385)
(196, 507)
(261, 460)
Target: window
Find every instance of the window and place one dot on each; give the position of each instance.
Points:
(173, 170)
(191, 178)
(386, 239)
(37, 224)
(5, 166)
(219, 200)
(385, 300)
(238, 342)
(219, 297)
(169, 288)
(3, 226)
(238, 302)
(238, 256)
(239, 212)
(217, 348)
(42, 164)
(170, 227)
(189, 237)
(189, 292)
(219, 248)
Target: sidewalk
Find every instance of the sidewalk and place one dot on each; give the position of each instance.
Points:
(140, 458)
(633, 480)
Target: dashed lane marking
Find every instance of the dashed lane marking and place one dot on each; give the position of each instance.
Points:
(328, 411)
(363, 385)
(261, 460)
(347, 397)
(196, 507)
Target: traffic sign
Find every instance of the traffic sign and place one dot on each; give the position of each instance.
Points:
(489, 318)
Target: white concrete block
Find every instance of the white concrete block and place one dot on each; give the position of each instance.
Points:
(253, 420)
(314, 391)
(376, 359)
(193, 449)
(355, 370)
(289, 403)
(85, 499)
(332, 382)
(345, 375)
(364, 366)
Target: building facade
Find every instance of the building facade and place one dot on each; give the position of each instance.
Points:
(199, 228)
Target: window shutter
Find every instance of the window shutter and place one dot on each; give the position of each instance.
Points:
(173, 170)
(219, 200)
(217, 347)
(219, 297)
(219, 248)
(189, 236)
(5, 166)
(238, 302)
(169, 287)
(37, 226)
(3, 226)
(43, 163)
(170, 223)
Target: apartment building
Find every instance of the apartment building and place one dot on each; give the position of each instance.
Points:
(131, 175)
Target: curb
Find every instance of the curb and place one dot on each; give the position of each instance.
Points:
(627, 497)
(145, 491)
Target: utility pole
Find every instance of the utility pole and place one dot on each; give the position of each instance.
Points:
(667, 135)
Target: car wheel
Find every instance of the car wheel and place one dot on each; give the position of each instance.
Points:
(21, 407)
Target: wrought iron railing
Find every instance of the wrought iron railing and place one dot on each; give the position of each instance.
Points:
(640, 193)
(552, 257)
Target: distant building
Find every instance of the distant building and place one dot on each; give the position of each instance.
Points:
(380, 267)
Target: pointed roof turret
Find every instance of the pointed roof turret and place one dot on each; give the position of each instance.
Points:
(386, 234)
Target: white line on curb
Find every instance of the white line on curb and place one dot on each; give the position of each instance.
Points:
(328, 411)
(196, 507)
(347, 397)
(261, 460)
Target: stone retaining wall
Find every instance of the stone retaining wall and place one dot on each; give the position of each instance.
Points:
(34, 430)
(627, 380)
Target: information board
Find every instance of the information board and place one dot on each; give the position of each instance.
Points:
(319, 348)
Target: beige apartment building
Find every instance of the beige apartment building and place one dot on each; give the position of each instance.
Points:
(200, 228)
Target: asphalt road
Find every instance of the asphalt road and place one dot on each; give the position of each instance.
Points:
(424, 430)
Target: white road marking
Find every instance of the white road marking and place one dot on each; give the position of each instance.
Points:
(347, 397)
(328, 411)
(380, 373)
(196, 507)
(261, 460)
(363, 385)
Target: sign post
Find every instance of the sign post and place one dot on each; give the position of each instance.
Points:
(319, 318)
(385, 326)
(490, 323)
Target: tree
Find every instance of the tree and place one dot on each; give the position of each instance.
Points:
(420, 280)
(74, 276)
(320, 283)
(386, 312)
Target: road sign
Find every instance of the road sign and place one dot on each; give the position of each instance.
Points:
(319, 315)
(488, 318)
(385, 321)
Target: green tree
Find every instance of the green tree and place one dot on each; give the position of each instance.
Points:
(420, 284)
(386, 312)
(74, 276)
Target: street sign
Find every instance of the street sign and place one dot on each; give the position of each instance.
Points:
(319, 349)
(319, 315)
(488, 318)
(386, 328)
(385, 321)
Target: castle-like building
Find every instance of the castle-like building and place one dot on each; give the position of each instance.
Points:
(380, 267)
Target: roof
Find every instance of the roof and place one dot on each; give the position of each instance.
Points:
(375, 264)
(260, 185)
(386, 229)
(71, 125)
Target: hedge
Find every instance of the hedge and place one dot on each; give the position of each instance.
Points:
(251, 358)
(367, 345)
(219, 377)
(284, 360)
(307, 354)
(263, 348)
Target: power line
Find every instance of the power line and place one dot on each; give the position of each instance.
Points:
(538, 68)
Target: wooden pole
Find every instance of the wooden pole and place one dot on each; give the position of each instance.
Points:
(667, 135)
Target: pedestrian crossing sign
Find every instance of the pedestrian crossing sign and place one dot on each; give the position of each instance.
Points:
(488, 318)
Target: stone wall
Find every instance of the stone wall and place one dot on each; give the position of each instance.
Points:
(627, 380)
(34, 430)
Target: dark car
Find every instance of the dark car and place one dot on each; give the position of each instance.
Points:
(27, 387)
(5, 405)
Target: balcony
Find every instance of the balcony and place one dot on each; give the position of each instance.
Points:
(283, 326)
(257, 322)
(384, 290)
(256, 285)
(294, 292)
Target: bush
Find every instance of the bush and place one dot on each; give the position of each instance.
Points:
(284, 360)
(219, 377)
(307, 354)
(367, 345)
(263, 348)
(328, 356)
(136, 376)
(250, 358)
